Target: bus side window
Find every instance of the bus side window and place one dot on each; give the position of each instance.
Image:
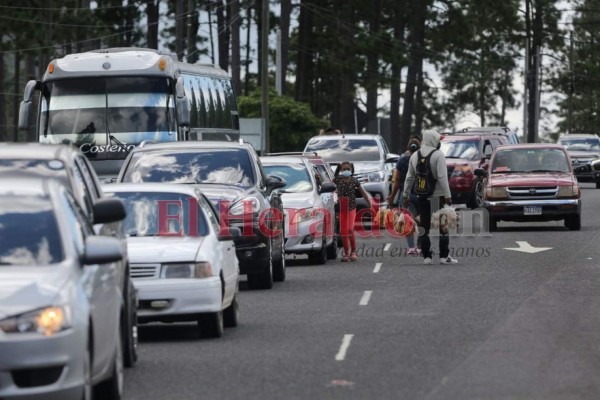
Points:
(208, 101)
(192, 94)
(224, 120)
(231, 105)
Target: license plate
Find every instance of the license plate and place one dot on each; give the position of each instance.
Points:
(532, 210)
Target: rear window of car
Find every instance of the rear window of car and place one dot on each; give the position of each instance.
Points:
(161, 214)
(467, 149)
(296, 177)
(344, 149)
(229, 166)
(29, 232)
(581, 144)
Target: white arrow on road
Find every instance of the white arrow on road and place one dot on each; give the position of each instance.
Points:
(525, 247)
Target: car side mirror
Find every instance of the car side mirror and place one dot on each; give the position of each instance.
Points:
(27, 104)
(229, 233)
(102, 250)
(275, 182)
(327, 187)
(480, 172)
(109, 210)
(391, 158)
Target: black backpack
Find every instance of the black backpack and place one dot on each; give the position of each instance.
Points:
(424, 180)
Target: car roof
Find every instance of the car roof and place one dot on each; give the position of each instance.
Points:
(282, 160)
(37, 151)
(192, 144)
(469, 137)
(492, 130)
(189, 190)
(578, 135)
(28, 186)
(531, 146)
(346, 136)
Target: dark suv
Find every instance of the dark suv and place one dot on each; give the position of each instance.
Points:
(70, 167)
(465, 154)
(229, 174)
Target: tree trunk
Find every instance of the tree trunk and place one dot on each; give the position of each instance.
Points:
(304, 65)
(152, 15)
(180, 28)
(419, 102)
(398, 46)
(211, 36)
(416, 58)
(192, 34)
(235, 46)
(222, 35)
(248, 47)
(284, 26)
(3, 127)
(372, 75)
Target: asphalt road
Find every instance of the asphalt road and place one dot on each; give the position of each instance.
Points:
(501, 324)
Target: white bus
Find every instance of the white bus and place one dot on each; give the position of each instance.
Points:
(108, 101)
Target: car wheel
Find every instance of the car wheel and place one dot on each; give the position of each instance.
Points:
(263, 280)
(279, 265)
(211, 325)
(573, 223)
(597, 185)
(477, 197)
(129, 323)
(319, 257)
(112, 388)
(231, 314)
(87, 375)
(332, 249)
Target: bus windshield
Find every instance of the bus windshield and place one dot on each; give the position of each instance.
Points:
(107, 117)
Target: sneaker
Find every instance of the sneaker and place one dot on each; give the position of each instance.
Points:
(448, 260)
(428, 261)
(414, 251)
(345, 259)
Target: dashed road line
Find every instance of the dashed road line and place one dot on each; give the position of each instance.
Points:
(377, 268)
(341, 355)
(365, 298)
(387, 246)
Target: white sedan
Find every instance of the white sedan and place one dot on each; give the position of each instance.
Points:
(182, 266)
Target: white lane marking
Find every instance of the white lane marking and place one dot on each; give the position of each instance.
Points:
(365, 298)
(341, 355)
(387, 246)
(525, 247)
(377, 268)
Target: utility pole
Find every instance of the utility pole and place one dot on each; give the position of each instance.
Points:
(525, 88)
(264, 69)
(571, 84)
(278, 64)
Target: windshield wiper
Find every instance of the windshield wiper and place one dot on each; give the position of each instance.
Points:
(119, 143)
(546, 170)
(507, 172)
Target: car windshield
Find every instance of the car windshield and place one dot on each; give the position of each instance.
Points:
(468, 149)
(295, 175)
(161, 214)
(581, 144)
(530, 160)
(344, 149)
(214, 165)
(28, 232)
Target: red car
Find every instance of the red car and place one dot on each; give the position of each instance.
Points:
(465, 154)
(531, 182)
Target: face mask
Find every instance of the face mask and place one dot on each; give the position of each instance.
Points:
(346, 173)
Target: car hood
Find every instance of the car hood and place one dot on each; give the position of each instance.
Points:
(298, 200)
(583, 154)
(153, 250)
(24, 289)
(532, 179)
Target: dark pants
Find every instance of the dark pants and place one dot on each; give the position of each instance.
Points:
(425, 206)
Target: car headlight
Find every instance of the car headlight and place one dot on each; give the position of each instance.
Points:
(568, 191)
(197, 270)
(240, 207)
(302, 215)
(46, 321)
(376, 176)
(497, 192)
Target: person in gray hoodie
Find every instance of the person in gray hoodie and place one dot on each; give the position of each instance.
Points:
(441, 194)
